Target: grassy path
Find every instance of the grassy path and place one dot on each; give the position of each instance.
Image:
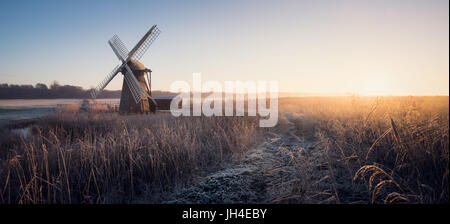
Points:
(263, 175)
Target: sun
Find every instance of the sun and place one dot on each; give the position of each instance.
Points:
(375, 85)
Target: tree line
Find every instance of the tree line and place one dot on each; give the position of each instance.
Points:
(54, 91)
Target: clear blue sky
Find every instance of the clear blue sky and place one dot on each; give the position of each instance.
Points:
(380, 47)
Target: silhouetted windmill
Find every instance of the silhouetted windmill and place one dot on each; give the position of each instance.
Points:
(136, 96)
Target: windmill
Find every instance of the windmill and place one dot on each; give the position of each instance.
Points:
(136, 96)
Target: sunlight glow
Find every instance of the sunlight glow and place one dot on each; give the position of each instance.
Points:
(375, 85)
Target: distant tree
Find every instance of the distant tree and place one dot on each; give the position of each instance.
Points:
(26, 86)
(54, 86)
(41, 86)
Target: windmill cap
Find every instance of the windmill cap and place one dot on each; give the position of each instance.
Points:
(136, 65)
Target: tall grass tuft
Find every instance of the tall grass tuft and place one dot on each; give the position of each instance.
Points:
(107, 158)
(380, 149)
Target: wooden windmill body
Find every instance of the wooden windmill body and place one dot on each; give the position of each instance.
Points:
(127, 102)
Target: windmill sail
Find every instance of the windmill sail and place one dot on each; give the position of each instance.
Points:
(142, 46)
(105, 82)
(119, 48)
(139, 50)
(133, 84)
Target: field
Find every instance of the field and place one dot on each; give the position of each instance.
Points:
(374, 149)
(323, 150)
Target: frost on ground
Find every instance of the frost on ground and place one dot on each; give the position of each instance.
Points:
(264, 174)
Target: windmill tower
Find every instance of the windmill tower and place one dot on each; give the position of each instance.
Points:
(136, 96)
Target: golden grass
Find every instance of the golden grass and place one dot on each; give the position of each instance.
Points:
(380, 149)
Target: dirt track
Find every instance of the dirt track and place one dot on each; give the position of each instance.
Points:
(261, 176)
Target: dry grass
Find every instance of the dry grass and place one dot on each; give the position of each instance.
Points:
(363, 150)
(95, 158)
(377, 149)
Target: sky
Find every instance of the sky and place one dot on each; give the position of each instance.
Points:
(384, 47)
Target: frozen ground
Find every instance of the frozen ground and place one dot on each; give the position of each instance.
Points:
(261, 176)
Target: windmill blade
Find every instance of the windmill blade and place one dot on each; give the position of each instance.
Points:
(119, 48)
(131, 86)
(133, 83)
(141, 47)
(105, 82)
(135, 88)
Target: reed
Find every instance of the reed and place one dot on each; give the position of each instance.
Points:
(377, 149)
(107, 158)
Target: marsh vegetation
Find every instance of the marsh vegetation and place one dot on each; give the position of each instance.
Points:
(335, 150)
